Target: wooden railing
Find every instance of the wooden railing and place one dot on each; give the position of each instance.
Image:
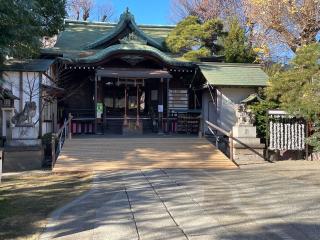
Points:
(232, 139)
(59, 138)
(212, 126)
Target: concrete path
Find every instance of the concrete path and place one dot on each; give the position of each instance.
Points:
(254, 203)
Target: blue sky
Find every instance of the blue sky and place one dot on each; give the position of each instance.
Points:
(145, 11)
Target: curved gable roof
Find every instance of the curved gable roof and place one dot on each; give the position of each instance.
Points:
(129, 48)
(126, 22)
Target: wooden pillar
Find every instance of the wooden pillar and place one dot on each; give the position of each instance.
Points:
(161, 103)
(70, 126)
(40, 105)
(138, 105)
(306, 144)
(21, 91)
(53, 150)
(168, 79)
(95, 104)
(125, 122)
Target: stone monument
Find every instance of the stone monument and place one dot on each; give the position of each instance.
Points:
(24, 132)
(247, 148)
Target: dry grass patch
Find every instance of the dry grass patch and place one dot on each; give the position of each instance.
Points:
(27, 200)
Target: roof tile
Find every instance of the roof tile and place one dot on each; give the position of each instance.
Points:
(233, 74)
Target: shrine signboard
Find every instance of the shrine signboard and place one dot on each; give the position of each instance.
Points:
(99, 110)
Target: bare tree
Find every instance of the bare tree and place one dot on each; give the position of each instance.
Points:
(85, 9)
(80, 8)
(87, 6)
(290, 22)
(104, 12)
(207, 9)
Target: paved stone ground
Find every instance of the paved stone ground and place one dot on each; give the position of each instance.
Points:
(268, 201)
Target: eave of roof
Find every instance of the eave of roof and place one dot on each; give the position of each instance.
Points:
(234, 74)
(128, 48)
(252, 98)
(128, 73)
(30, 65)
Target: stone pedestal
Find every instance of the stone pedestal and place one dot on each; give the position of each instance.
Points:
(247, 148)
(23, 150)
(24, 136)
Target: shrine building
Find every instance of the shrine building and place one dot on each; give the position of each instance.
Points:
(121, 79)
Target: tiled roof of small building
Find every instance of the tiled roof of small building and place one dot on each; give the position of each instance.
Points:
(233, 74)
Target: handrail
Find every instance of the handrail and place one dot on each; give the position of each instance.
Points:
(226, 133)
(231, 139)
(61, 135)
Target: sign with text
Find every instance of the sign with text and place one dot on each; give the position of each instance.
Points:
(160, 108)
(99, 110)
(178, 99)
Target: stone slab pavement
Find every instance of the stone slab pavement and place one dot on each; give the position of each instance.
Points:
(268, 201)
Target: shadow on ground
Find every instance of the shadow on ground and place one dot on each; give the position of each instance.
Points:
(27, 200)
(193, 204)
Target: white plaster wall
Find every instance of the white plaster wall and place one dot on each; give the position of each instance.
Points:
(227, 98)
(223, 113)
(209, 108)
(46, 127)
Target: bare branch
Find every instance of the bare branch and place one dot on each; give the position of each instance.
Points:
(76, 8)
(104, 12)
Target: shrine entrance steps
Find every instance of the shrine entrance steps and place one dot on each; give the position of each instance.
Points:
(132, 153)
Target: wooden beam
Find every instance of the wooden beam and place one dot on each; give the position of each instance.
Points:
(49, 77)
(138, 104)
(95, 104)
(40, 105)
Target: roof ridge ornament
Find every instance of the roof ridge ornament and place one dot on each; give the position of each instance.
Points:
(127, 22)
(127, 15)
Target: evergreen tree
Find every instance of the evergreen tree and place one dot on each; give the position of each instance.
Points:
(298, 89)
(195, 39)
(236, 47)
(23, 24)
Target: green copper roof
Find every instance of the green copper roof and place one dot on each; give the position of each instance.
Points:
(129, 48)
(233, 74)
(78, 35)
(126, 23)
